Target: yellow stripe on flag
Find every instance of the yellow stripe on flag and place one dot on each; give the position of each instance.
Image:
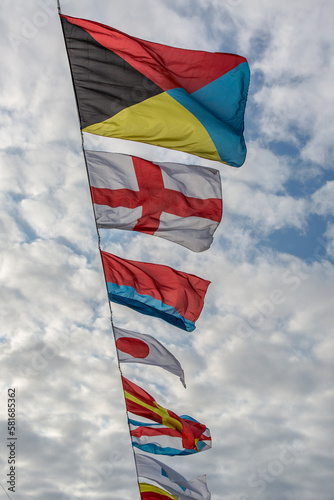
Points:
(162, 121)
(159, 410)
(145, 487)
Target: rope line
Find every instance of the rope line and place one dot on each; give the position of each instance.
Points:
(99, 248)
(5, 491)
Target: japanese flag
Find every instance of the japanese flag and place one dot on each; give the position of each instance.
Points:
(133, 347)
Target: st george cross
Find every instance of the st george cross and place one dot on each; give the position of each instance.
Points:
(181, 203)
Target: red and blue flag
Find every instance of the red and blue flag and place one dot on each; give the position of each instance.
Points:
(162, 440)
(155, 290)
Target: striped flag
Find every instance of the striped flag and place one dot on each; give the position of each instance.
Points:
(151, 492)
(172, 481)
(180, 203)
(155, 290)
(134, 347)
(141, 403)
(162, 440)
(188, 100)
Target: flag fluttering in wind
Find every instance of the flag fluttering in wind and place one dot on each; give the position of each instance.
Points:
(134, 347)
(188, 100)
(181, 203)
(155, 290)
(172, 481)
(151, 492)
(162, 440)
(143, 404)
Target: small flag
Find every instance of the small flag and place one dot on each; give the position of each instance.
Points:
(172, 481)
(143, 404)
(155, 290)
(151, 492)
(133, 347)
(181, 203)
(188, 100)
(162, 440)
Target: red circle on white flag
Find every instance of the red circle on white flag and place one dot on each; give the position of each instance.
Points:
(135, 347)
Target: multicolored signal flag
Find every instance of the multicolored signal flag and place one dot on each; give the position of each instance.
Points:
(172, 481)
(151, 492)
(162, 440)
(188, 100)
(143, 404)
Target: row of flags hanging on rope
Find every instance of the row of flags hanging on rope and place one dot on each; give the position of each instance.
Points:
(186, 100)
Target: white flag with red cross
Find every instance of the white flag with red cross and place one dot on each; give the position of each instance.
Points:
(181, 203)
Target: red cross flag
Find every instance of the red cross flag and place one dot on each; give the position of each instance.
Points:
(181, 203)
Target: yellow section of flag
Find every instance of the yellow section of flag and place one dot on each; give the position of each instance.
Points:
(150, 488)
(161, 121)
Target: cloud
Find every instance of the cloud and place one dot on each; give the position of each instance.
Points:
(259, 367)
(297, 67)
(323, 199)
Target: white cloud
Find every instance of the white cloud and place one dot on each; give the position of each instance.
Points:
(330, 235)
(267, 212)
(323, 199)
(262, 169)
(297, 66)
(259, 367)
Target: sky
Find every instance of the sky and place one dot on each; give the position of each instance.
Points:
(259, 367)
